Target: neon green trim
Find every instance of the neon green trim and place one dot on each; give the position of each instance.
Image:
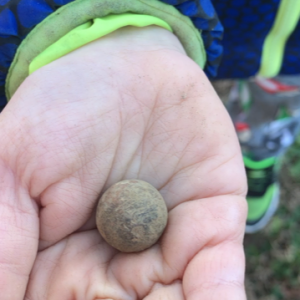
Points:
(283, 113)
(89, 32)
(258, 206)
(257, 165)
(285, 22)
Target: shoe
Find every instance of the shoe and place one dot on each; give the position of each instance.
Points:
(263, 192)
(266, 116)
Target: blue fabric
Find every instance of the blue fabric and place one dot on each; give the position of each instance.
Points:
(32, 12)
(61, 2)
(3, 2)
(8, 23)
(7, 52)
(204, 17)
(2, 78)
(291, 60)
(246, 25)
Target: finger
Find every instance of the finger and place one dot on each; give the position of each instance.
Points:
(18, 236)
(80, 267)
(75, 268)
(106, 273)
(172, 291)
(216, 273)
(66, 206)
(211, 235)
(192, 227)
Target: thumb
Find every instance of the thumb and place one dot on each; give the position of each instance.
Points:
(18, 236)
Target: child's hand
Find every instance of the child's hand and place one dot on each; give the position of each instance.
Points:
(94, 117)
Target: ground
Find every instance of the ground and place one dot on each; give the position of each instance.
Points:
(273, 255)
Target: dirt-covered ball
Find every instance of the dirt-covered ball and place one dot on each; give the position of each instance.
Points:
(131, 215)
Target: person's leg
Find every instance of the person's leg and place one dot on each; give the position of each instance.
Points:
(265, 113)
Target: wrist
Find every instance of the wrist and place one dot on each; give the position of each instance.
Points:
(119, 56)
(135, 39)
(125, 46)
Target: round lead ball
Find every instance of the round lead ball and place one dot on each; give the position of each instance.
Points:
(131, 215)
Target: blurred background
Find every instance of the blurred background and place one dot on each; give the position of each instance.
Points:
(273, 255)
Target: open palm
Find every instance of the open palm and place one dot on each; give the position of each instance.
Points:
(62, 149)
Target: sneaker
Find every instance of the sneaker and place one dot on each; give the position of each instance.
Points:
(263, 192)
(266, 116)
(266, 126)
